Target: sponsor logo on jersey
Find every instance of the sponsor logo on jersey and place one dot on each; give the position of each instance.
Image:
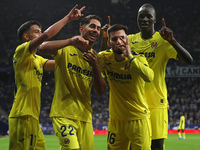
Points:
(118, 76)
(39, 74)
(80, 70)
(148, 54)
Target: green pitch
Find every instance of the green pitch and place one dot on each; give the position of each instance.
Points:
(192, 142)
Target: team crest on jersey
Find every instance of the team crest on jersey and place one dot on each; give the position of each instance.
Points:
(127, 66)
(67, 141)
(154, 44)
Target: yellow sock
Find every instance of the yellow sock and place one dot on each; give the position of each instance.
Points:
(183, 135)
(179, 134)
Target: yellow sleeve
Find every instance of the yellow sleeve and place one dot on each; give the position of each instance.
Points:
(140, 62)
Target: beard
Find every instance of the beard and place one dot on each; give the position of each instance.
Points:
(117, 51)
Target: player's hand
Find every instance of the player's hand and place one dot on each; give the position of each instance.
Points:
(165, 32)
(79, 42)
(91, 58)
(75, 13)
(105, 28)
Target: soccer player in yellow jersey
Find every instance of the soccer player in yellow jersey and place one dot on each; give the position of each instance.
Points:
(181, 126)
(71, 107)
(24, 130)
(158, 48)
(127, 73)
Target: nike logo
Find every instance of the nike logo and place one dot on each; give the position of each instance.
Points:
(73, 54)
(108, 63)
(134, 42)
(21, 140)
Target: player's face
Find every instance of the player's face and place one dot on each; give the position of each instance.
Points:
(146, 19)
(91, 31)
(115, 41)
(33, 32)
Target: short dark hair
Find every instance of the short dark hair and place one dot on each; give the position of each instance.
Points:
(117, 27)
(25, 27)
(87, 19)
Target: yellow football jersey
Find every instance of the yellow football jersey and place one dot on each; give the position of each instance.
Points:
(28, 75)
(73, 82)
(127, 97)
(157, 52)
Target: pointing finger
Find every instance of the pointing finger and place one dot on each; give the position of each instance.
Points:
(163, 22)
(108, 20)
(127, 40)
(75, 7)
(82, 8)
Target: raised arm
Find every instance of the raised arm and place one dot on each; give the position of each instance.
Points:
(104, 44)
(74, 14)
(167, 34)
(51, 47)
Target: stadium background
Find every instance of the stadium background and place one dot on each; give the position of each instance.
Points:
(183, 81)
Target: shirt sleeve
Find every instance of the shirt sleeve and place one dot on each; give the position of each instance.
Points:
(140, 63)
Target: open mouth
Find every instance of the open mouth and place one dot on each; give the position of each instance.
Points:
(93, 36)
(144, 25)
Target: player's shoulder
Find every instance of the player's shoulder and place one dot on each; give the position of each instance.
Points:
(22, 51)
(106, 55)
(22, 46)
(131, 36)
(106, 52)
(157, 35)
(66, 50)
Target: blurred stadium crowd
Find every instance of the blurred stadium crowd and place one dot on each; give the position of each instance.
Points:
(181, 16)
(183, 96)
